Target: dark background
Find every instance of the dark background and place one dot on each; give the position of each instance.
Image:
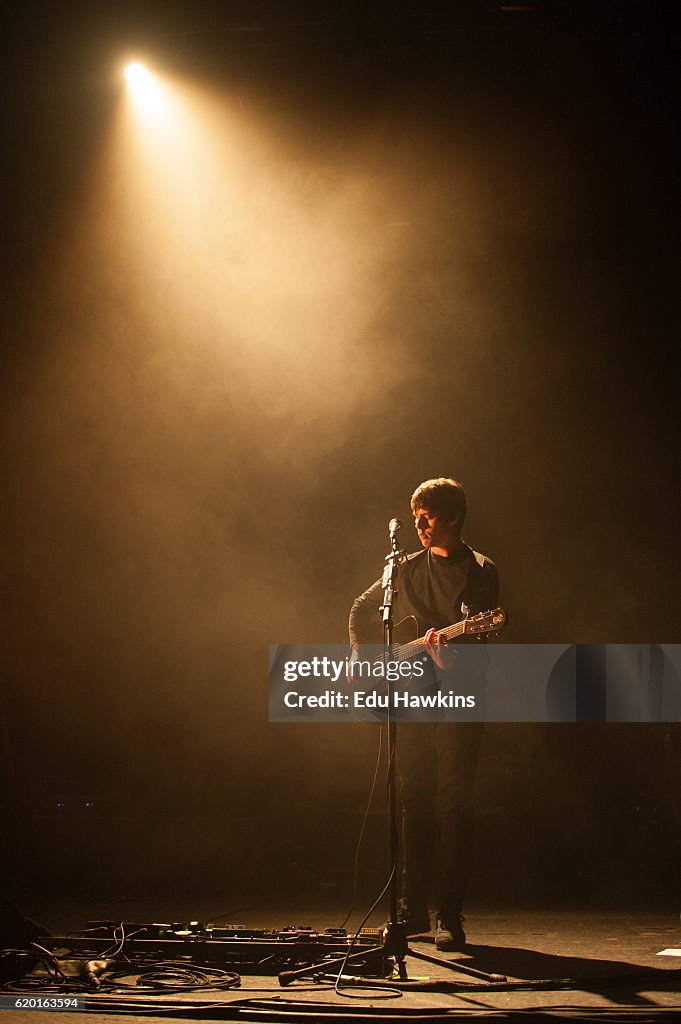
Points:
(422, 239)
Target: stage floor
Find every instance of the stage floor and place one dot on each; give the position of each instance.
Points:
(612, 956)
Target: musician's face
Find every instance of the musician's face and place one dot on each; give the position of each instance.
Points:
(433, 530)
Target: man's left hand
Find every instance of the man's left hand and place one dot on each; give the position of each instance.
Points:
(438, 649)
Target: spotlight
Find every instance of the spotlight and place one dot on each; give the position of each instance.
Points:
(137, 75)
(147, 92)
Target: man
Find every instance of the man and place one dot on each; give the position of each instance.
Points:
(438, 585)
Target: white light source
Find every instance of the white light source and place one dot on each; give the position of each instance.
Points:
(145, 87)
(137, 75)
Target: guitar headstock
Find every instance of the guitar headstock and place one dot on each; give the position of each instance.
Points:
(486, 622)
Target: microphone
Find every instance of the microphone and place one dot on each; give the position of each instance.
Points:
(394, 526)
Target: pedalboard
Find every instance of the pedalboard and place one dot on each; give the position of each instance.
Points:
(229, 946)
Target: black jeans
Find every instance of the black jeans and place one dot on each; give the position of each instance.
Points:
(436, 764)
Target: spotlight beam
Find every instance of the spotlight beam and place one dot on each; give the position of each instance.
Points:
(147, 91)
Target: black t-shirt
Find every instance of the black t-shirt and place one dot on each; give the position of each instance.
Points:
(431, 589)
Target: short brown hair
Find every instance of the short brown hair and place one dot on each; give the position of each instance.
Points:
(443, 496)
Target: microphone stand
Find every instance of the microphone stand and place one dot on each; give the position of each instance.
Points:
(394, 938)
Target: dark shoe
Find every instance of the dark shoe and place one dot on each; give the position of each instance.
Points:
(416, 920)
(450, 936)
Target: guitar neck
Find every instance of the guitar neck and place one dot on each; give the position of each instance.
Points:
(404, 651)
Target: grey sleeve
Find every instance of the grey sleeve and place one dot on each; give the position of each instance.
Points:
(365, 615)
